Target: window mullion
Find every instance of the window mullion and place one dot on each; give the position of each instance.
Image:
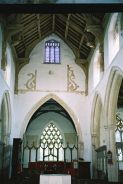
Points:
(52, 52)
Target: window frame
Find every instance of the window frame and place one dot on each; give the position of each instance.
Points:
(48, 141)
(56, 60)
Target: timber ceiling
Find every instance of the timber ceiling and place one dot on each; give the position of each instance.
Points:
(26, 30)
(29, 29)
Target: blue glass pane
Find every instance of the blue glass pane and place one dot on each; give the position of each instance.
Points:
(52, 52)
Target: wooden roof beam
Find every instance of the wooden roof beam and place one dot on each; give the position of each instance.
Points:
(38, 25)
(53, 23)
(81, 41)
(72, 25)
(67, 25)
(23, 40)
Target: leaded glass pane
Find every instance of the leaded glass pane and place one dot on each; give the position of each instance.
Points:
(52, 137)
(52, 51)
(119, 130)
(117, 135)
(120, 154)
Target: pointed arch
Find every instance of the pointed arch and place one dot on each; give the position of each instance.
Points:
(110, 109)
(5, 116)
(5, 129)
(112, 91)
(96, 118)
(55, 139)
(62, 103)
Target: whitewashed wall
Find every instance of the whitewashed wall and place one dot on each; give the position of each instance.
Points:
(7, 79)
(107, 133)
(52, 79)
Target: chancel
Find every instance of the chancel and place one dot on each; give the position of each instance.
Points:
(61, 98)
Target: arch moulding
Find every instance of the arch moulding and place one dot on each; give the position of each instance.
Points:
(62, 103)
(95, 119)
(7, 109)
(112, 91)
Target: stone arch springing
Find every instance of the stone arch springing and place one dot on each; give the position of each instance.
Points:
(96, 118)
(95, 130)
(112, 91)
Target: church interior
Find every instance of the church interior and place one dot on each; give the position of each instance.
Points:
(61, 97)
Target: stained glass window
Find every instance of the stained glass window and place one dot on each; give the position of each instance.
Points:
(52, 51)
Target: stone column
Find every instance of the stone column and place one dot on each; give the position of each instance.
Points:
(81, 149)
(112, 168)
(94, 156)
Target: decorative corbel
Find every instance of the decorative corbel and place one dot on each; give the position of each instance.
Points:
(14, 28)
(93, 25)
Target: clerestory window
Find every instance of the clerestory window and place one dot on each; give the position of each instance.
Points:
(52, 52)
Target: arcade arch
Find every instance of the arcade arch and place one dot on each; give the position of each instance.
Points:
(111, 98)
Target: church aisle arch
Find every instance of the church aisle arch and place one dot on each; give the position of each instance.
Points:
(99, 165)
(110, 107)
(5, 129)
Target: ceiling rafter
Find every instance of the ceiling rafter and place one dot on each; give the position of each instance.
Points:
(72, 25)
(67, 25)
(24, 43)
(73, 47)
(38, 25)
(81, 41)
(53, 23)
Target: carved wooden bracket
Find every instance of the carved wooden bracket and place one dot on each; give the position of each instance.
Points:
(93, 25)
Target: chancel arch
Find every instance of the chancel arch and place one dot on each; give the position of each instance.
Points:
(47, 123)
(62, 103)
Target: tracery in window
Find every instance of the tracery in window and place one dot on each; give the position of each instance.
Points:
(119, 138)
(52, 51)
(51, 139)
